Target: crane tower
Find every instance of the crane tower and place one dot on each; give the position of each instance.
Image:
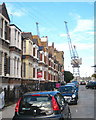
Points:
(37, 29)
(75, 60)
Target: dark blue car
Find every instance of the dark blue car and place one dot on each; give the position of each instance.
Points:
(70, 94)
(42, 106)
(91, 85)
(74, 84)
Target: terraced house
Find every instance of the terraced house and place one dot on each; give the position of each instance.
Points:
(15, 54)
(27, 59)
(4, 44)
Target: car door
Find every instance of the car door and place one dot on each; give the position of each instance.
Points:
(63, 105)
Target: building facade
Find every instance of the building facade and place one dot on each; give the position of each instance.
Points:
(15, 54)
(4, 44)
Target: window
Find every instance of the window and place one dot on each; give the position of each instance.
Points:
(67, 89)
(33, 51)
(14, 66)
(1, 27)
(17, 67)
(33, 72)
(5, 30)
(54, 77)
(45, 75)
(24, 46)
(15, 35)
(8, 65)
(35, 105)
(45, 59)
(24, 69)
(0, 63)
(49, 63)
(5, 63)
(60, 99)
(40, 56)
(18, 38)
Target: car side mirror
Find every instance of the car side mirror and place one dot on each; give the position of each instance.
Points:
(75, 91)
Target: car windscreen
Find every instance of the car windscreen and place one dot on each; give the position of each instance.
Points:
(35, 105)
(67, 89)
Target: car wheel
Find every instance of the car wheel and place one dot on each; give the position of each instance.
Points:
(75, 102)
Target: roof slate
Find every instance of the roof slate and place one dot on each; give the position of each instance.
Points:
(27, 35)
(4, 12)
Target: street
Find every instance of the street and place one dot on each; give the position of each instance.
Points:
(84, 108)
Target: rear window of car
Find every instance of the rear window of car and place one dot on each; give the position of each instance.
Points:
(35, 105)
(66, 89)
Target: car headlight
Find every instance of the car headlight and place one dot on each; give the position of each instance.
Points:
(73, 96)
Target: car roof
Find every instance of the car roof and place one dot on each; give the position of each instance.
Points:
(75, 81)
(71, 84)
(66, 85)
(42, 93)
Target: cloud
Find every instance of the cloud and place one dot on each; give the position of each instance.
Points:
(84, 25)
(91, 33)
(79, 46)
(15, 12)
(75, 15)
(83, 32)
(19, 13)
(85, 46)
(63, 35)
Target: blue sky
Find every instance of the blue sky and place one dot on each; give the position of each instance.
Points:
(51, 17)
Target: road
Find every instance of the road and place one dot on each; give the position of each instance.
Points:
(84, 108)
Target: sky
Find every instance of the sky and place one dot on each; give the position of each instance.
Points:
(51, 17)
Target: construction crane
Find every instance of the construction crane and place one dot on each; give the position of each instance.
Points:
(38, 33)
(75, 60)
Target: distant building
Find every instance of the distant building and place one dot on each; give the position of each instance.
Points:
(43, 63)
(59, 55)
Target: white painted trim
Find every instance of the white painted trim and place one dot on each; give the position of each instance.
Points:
(4, 18)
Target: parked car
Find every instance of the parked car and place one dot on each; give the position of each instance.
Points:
(70, 94)
(82, 82)
(42, 106)
(91, 84)
(73, 84)
(76, 83)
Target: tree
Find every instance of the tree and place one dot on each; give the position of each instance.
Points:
(94, 75)
(68, 76)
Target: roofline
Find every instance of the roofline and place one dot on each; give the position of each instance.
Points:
(15, 26)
